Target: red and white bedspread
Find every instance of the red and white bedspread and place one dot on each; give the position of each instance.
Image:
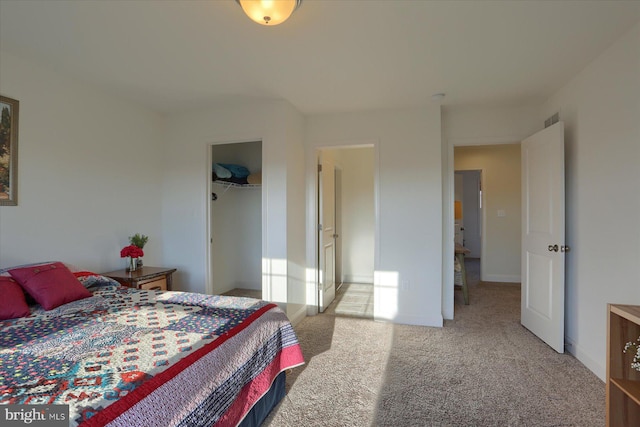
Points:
(128, 357)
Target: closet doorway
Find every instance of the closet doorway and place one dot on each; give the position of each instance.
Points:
(236, 219)
(353, 180)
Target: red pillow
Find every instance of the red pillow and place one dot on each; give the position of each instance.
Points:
(51, 285)
(12, 303)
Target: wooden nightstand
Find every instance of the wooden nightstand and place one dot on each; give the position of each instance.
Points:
(157, 278)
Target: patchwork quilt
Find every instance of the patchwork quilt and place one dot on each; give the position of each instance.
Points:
(128, 357)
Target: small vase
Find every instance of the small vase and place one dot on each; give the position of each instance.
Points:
(133, 264)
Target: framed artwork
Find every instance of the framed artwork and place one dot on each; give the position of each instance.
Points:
(8, 151)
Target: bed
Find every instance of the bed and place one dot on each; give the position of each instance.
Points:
(121, 357)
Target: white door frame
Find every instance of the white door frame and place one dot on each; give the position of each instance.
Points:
(266, 291)
(312, 278)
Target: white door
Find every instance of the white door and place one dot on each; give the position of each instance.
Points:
(543, 250)
(326, 233)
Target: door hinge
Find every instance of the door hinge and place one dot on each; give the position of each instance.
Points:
(319, 227)
(319, 168)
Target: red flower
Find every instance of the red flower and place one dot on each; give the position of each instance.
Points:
(132, 251)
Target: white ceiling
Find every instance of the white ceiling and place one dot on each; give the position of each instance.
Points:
(331, 56)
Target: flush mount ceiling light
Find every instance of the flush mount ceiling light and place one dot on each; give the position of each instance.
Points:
(269, 12)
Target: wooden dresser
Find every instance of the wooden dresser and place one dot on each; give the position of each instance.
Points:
(157, 278)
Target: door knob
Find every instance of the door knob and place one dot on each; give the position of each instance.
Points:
(553, 248)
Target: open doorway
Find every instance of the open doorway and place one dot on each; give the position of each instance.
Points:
(346, 230)
(487, 185)
(468, 224)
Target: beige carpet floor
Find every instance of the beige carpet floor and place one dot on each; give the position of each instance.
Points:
(481, 369)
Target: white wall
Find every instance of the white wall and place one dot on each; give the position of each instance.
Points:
(187, 173)
(89, 172)
(358, 216)
(236, 250)
(501, 235)
(296, 220)
(472, 125)
(408, 263)
(601, 111)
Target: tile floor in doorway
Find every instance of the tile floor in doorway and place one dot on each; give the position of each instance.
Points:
(353, 299)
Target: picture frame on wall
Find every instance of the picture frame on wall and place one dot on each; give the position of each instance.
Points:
(9, 112)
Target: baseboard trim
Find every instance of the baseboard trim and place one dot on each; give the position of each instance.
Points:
(298, 315)
(577, 352)
(506, 278)
(349, 278)
(312, 310)
(435, 320)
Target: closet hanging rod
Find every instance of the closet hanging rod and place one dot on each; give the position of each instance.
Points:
(227, 185)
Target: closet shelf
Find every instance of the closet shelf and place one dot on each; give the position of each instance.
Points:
(227, 185)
